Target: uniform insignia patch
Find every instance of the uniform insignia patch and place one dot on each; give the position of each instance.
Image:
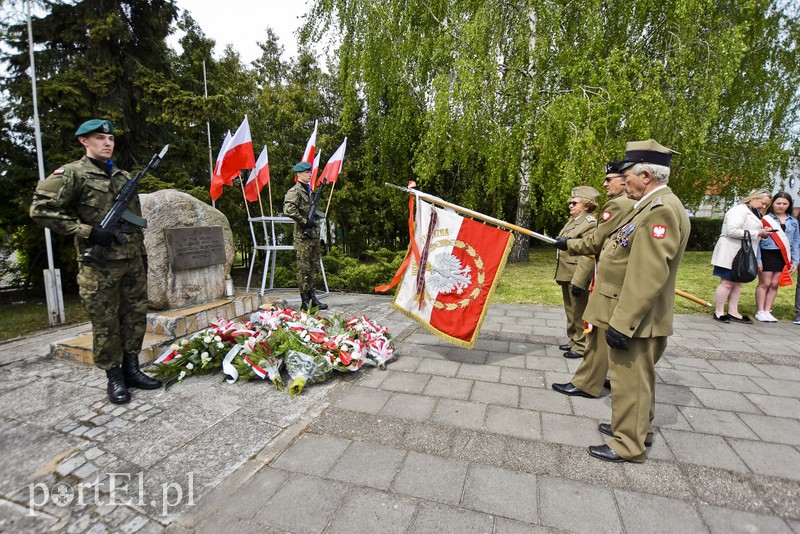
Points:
(659, 231)
(591, 218)
(606, 215)
(59, 171)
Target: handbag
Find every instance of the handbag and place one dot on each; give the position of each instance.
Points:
(745, 267)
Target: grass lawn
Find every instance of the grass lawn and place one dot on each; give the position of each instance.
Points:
(522, 283)
(532, 283)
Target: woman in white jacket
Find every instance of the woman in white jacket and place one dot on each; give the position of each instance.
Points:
(744, 216)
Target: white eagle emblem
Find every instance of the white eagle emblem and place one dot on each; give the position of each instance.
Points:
(659, 231)
(445, 274)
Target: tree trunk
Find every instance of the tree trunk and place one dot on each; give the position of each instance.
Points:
(522, 243)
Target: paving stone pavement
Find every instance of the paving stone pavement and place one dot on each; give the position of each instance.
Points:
(443, 440)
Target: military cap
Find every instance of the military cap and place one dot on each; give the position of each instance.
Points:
(95, 125)
(302, 166)
(646, 152)
(612, 167)
(584, 191)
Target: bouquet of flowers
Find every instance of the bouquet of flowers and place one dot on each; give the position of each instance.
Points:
(376, 339)
(259, 358)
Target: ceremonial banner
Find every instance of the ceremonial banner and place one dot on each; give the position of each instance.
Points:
(451, 276)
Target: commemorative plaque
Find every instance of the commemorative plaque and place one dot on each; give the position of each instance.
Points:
(193, 247)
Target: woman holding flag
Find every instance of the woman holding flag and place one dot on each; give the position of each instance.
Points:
(778, 255)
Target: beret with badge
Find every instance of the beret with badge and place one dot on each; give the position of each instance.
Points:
(95, 125)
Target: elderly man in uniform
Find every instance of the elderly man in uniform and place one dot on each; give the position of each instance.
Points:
(296, 205)
(73, 201)
(635, 297)
(590, 376)
(574, 272)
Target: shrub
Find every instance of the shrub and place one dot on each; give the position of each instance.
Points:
(704, 234)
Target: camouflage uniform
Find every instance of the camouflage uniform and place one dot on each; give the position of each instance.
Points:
(296, 205)
(72, 201)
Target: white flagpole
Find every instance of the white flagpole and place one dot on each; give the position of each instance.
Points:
(208, 131)
(52, 276)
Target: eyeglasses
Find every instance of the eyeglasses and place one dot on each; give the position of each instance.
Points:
(608, 180)
(573, 203)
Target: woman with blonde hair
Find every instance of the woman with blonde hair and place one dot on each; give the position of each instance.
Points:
(745, 216)
(778, 253)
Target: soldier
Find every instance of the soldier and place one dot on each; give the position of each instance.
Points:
(296, 205)
(634, 297)
(589, 379)
(73, 201)
(574, 272)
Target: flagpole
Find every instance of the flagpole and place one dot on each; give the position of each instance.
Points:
(244, 197)
(260, 205)
(471, 213)
(208, 131)
(269, 187)
(329, 200)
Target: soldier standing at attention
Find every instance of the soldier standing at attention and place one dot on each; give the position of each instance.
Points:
(296, 205)
(634, 297)
(590, 376)
(73, 201)
(574, 272)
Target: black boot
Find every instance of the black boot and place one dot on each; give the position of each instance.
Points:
(315, 302)
(134, 377)
(117, 391)
(304, 301)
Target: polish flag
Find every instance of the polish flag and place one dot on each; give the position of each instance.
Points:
(315, 170)
(259, 177)
(238, 154)
(311, 146)
(334, 165)
(216, 181)
(448, 287)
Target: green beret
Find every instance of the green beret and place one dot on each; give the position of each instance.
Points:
(95, 125)
(584, 191)
(302, 166)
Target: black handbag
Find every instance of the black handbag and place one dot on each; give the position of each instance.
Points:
(745, 267)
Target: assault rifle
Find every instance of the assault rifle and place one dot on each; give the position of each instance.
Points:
(313, 213)
(118, 216)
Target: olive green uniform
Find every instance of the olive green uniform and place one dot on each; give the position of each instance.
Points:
(591, 373)
(635, 294)
(575, 270)
(296, 205)
(71, 201)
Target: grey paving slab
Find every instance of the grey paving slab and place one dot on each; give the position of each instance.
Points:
(545, 400)
(451, 388)
(467, 356)
(486, 373)
(716, 422)
(742, 384)
(459, 413)
(405, 382)
(489, 393)
(546, 363)
(779, 388)
(691, 364)
(668, 416)
(368, 465)
(675, 394)
(525, 348)
(599, 409)
(364, 399)
(431, 477)
(492, 345)
(264, 485)
(367, 511)
(406, 363)
(774, 429)
(771, 459)
(507, 526)
(776, 406)
(783, 372)
(682, 377)
(563, 505)
(289, 507)
(513, 422)
(570, 430)
(651, 513)
(437, 518)
(702, 449)
(505, 359)
(522, 377)
(303, 456)
(718, 399)
(406, 406)
(438, 367)
(727, 521)
(501, 492)
(737, 368)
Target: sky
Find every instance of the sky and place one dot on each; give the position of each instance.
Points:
(244, 22)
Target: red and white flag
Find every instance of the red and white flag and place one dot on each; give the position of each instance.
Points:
(315, 170)
(447, 288)
(259, 177)
(238, 153)
(311, 146)
(216, 181)
(334, 165)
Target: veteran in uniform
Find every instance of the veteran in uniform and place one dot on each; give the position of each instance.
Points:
(573, 271)
(73, 201)
(590, 377)
(296, 205)
(634, 297)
